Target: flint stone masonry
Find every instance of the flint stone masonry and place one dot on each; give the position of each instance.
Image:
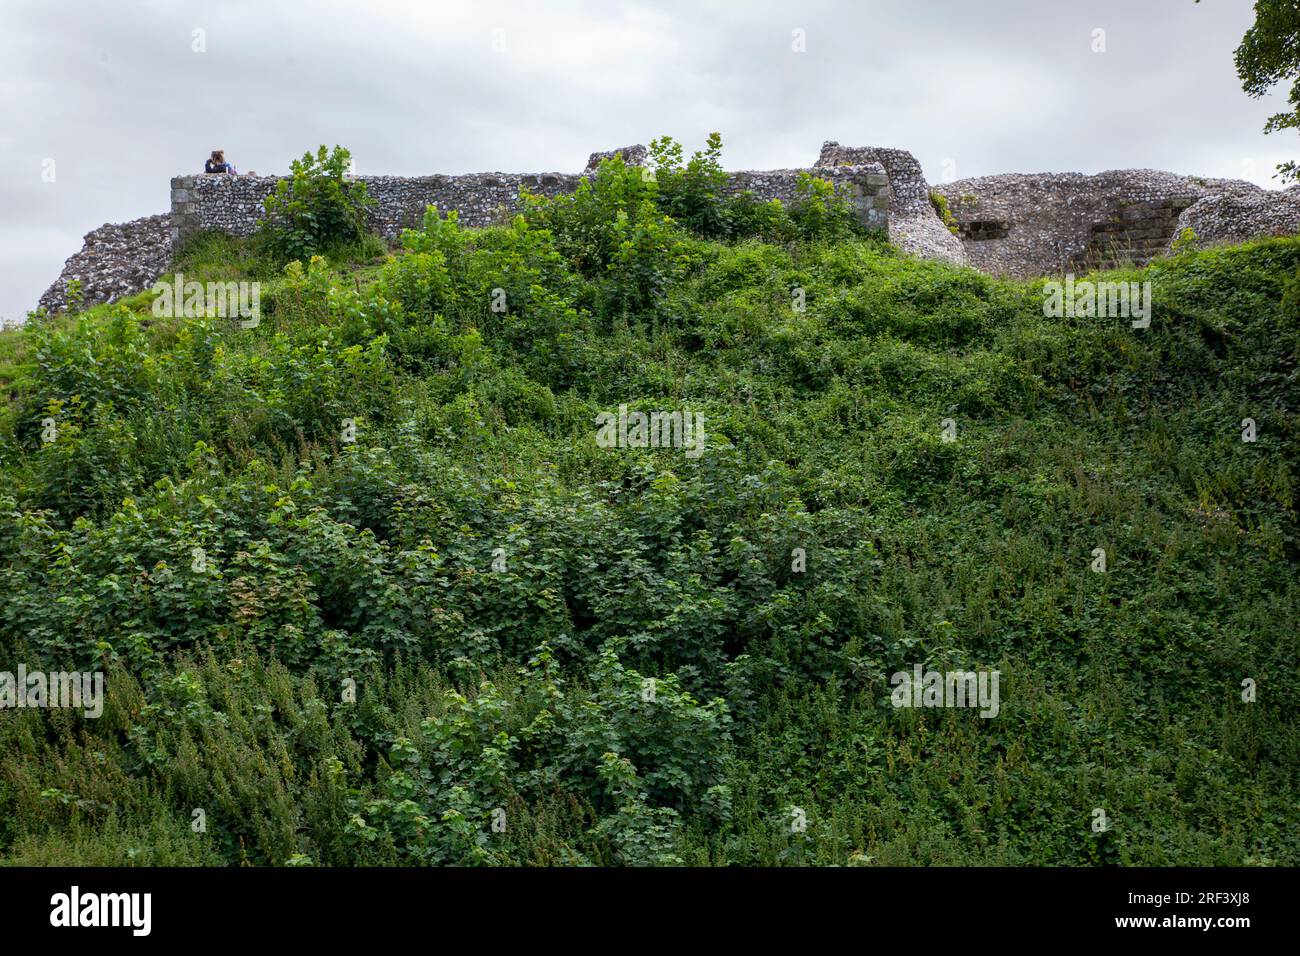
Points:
(1019, 225)
(123, 260)
(233, 204)
(866, 185)
(1033, 225)
(914, 225)
(116, 261)
(631, 155)
(1236, 215)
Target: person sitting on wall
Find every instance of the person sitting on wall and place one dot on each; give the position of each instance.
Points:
(216, 163)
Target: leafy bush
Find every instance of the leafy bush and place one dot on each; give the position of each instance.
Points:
(696, 196)
(612, 231)
(692, 194)
(317, 207)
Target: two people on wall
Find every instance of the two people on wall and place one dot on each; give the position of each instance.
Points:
(216, 163)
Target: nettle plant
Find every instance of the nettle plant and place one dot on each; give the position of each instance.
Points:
(317, 207)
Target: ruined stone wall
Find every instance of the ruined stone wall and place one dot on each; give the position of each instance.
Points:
(914, 225)
(1237, 214)
(1032, 225)
(1019, 225)
(117, 260)
(233, 204)
(865, 184)
(121, 260)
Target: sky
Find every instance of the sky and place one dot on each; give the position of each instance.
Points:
(104, 102)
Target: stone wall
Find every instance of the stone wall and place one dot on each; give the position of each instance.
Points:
(631, 156)
(115, 261)
(1032, 225)
(233, 204)
(914, 226)
(1238, 214)
(865, 184)
(121, 260)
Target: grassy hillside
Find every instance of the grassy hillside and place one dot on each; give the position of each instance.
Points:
(498, 588)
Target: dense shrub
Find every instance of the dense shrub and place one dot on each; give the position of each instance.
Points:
(317, 207)
(695, 194)
(463, 633)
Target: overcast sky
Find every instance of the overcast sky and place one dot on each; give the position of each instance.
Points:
(115, 94)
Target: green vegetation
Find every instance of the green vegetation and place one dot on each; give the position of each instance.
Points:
(614, 647)
(940, 203)
(1269, 54)
(1185, 240)
(694, 196)
(317, 207)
